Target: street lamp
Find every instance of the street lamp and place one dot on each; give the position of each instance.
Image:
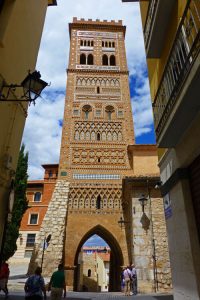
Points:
(45, 245)
(143, 201)
(122, 223)
(32, 87)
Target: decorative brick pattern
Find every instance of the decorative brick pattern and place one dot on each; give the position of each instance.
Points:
(86, 198)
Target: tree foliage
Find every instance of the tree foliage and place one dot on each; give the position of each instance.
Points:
(19, 207)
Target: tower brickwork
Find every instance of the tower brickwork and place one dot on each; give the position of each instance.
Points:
(97, 129)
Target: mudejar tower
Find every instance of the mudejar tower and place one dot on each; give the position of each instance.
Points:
(97, 129)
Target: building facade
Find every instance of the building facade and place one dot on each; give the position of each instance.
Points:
(94, 269)
(38, 193)
(172, 41)
(96, 154)
(21, 25)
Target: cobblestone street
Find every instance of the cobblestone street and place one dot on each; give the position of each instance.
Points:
(18, 278)
(78, 296)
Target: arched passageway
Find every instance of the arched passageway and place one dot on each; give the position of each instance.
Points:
(116, 258)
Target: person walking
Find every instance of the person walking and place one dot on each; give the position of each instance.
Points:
(57, 283)
(4, 274)
(122, 280)
(127, 279)
(35, 286)
(134, 279)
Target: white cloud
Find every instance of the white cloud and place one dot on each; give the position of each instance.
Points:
(142, 109)
(42, 133)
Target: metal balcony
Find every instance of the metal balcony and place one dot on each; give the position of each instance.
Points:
(177, 101)
(157, 21)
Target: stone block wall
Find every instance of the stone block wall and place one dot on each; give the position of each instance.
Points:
(150, 246)
(54, 223)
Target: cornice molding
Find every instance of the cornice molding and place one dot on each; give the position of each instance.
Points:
(110, 27)
(96, 71)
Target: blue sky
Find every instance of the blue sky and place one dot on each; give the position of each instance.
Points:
(95, 240)
(42, 134)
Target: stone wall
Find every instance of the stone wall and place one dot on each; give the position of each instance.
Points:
(150, 247)
(54, 223)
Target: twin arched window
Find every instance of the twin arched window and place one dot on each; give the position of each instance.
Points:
(89, 60)
(86, 111)
(108, 61)
(109, 111)
(86, 60)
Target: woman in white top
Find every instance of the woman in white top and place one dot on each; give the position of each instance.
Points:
(127, 279)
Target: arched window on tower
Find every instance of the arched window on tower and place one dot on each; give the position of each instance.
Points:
(90, 59)
(83, 59)
(112, 60)
(105, 60)
(89, 273)
(109, 44)
(86, 111)
(81, 42)
(85, 43)
(113, 44)
(98, 90)
(92, 43)
(98, 202)
(109, 111)
(102, 43)
(98, 136)
(106, 44)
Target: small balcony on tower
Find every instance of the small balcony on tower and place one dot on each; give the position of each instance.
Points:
(156, 25)
(176, 103)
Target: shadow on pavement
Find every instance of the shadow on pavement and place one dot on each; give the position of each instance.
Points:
(18, 276)
(164, 297)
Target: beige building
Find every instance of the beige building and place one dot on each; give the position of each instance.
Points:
(172, 41)
(21, 25)
(98, 152)
(94, 269)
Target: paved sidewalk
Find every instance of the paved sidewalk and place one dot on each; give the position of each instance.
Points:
(96, 296)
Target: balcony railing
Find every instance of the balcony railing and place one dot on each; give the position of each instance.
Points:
(183, 54)
(149, 20)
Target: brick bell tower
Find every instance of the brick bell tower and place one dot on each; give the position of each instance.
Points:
(97, 129)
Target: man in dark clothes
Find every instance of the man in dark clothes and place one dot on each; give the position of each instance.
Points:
(57, 283)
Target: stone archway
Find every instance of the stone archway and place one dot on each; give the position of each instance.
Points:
(116, 258)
